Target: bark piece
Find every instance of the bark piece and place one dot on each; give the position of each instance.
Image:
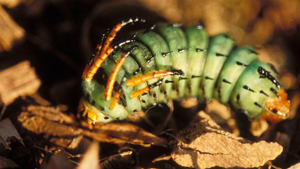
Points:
(209, 146)
(18, 80)
(10, 31)
(7, 133)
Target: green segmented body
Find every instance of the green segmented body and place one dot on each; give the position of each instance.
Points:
(211, 69)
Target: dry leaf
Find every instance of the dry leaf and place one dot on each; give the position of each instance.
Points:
(7, 163)
(8, 132)
(209, 146)
(18, 80)
(126, 159)
(91, 157)
(51, 123)
(120, 133)
(59, 161)
(296, 166)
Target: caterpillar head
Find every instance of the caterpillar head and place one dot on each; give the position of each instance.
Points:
(91, 113)
(278, 107)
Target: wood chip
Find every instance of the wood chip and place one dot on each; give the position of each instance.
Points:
(10, 31)
(207, 145)
(8, 133)
(16, 81)
(52, 124)
(120, 133)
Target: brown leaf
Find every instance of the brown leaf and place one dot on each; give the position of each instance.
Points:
(8, 132)
(51, 123)
(91, 157)
(120, 133)
(295, 166)
(18, 80)
(7, 163)
(209, 146)
(59, 161)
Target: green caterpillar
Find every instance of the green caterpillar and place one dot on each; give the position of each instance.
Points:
(170, 62)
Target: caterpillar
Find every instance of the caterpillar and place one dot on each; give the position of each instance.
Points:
(171, 62)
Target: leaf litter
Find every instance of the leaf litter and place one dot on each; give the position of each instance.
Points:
(204, 145)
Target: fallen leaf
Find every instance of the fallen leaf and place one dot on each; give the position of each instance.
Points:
(295, 166)
(52, 124)
(59, 161)
(91, 157)
(120, 133)
(126, 159)
(207, 145)
(7, 163)
(8, 132)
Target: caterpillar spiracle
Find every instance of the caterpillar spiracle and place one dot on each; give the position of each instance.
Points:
(171, 62)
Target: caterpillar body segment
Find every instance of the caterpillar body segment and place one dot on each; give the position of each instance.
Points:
(170, 62)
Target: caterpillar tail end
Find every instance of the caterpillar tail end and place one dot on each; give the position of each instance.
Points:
(278, 108)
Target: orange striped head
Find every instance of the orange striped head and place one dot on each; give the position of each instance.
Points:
(278, 108)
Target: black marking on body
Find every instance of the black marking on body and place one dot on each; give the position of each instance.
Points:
(106, 117)
(226, 81)
(274, 91)
(219, 54)
(193, 76)
(169, 81)
(137, 71)
(264, 73)
(164, 54)
(177, 72)
(150, 59)
(165, 92)
(219, 92)
(118, 118)
(247, 88)
(226, 36)
(258, 105)
(237, 98)
(154, 95)
(101, 108)
(143, 101)
(144, 94)
(208, 78)
(262, 92)
(241, 64)
(182, 50)
(200, 50)
(156, 84)
(252, 51)
(135, 110)
(183, 78)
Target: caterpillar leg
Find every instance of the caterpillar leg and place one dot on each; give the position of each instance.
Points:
(104, 51)
(143, 78)
(160, 127)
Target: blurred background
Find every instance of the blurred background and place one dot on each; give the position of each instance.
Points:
(58, 37)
